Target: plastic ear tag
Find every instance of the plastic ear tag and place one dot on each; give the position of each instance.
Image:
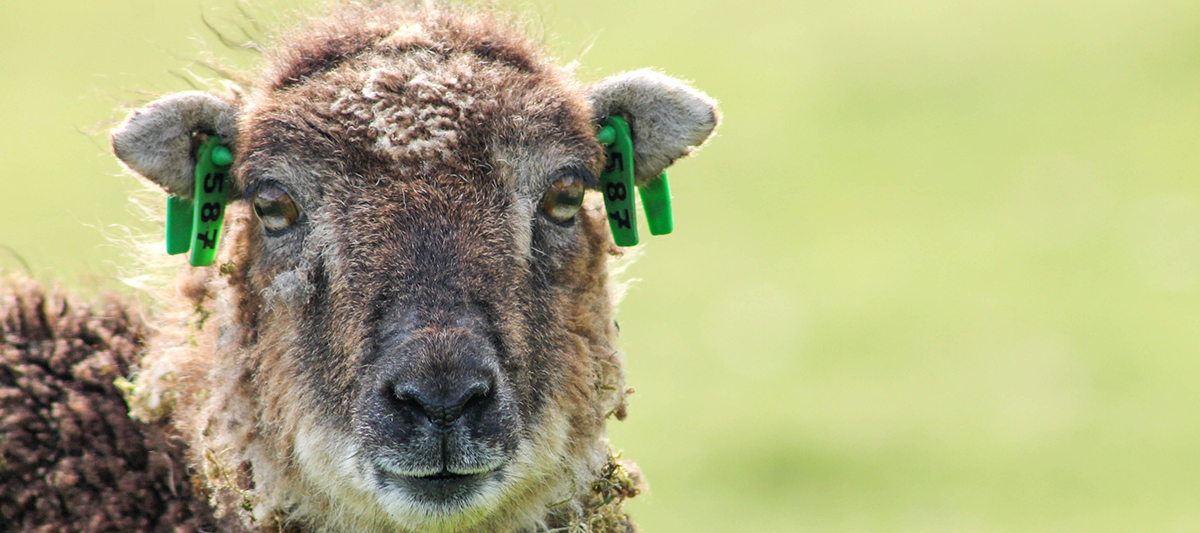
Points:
(198, 230)
(656, 201)
(616, 180)
(179, 224)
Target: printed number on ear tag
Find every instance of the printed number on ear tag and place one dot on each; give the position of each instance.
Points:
(616, 180)
(196, 225)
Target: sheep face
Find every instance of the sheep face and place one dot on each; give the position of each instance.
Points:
(412, 322)
(433, 329)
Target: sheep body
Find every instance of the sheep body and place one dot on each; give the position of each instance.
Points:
(71, 458)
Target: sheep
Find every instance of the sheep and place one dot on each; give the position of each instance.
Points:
(409, 325)
(71, 458)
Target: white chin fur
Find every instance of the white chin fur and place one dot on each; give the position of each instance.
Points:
(349, 497)
(339, 488)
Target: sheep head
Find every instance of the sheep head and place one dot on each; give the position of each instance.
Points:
(412, 321)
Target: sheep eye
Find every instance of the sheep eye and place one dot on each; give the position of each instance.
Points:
(275, 209)
(564, 198)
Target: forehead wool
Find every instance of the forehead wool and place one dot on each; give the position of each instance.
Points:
(405, 111)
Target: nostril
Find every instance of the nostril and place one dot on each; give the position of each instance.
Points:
(407, 398)
(474, 395)
(443, 409)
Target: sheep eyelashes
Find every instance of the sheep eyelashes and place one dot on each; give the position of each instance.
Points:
(200, 229)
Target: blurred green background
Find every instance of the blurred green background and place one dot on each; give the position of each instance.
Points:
(937, 272)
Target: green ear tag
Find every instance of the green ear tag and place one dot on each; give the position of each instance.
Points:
(616, 180)
(656, 201)
(179, 225)
(212, 170)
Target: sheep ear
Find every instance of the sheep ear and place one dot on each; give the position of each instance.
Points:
(667, 118)
(156, 141)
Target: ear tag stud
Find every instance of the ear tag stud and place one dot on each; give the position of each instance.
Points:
(194, 229)
(616, 180)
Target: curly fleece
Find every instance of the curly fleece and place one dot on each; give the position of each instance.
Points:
(71, 458)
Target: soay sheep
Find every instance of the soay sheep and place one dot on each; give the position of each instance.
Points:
(409, 325)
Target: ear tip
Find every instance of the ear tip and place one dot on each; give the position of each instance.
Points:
(706, 114)
(713, 119)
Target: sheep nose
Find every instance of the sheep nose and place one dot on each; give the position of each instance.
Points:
(443, 403)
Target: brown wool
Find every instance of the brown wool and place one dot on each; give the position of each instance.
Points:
(71, 458)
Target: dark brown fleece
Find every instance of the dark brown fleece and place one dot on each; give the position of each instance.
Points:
(71, 458)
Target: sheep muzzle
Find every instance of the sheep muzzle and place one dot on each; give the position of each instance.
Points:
(435, 410)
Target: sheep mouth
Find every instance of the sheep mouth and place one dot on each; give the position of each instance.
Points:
(443, 482)
(442, 488)
(444, 475)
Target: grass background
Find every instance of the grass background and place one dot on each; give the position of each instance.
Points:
(938, 271)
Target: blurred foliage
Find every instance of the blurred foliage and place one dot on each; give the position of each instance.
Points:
(938, 272)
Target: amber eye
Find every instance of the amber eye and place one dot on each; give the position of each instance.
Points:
(564, 198)
(275, 209)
